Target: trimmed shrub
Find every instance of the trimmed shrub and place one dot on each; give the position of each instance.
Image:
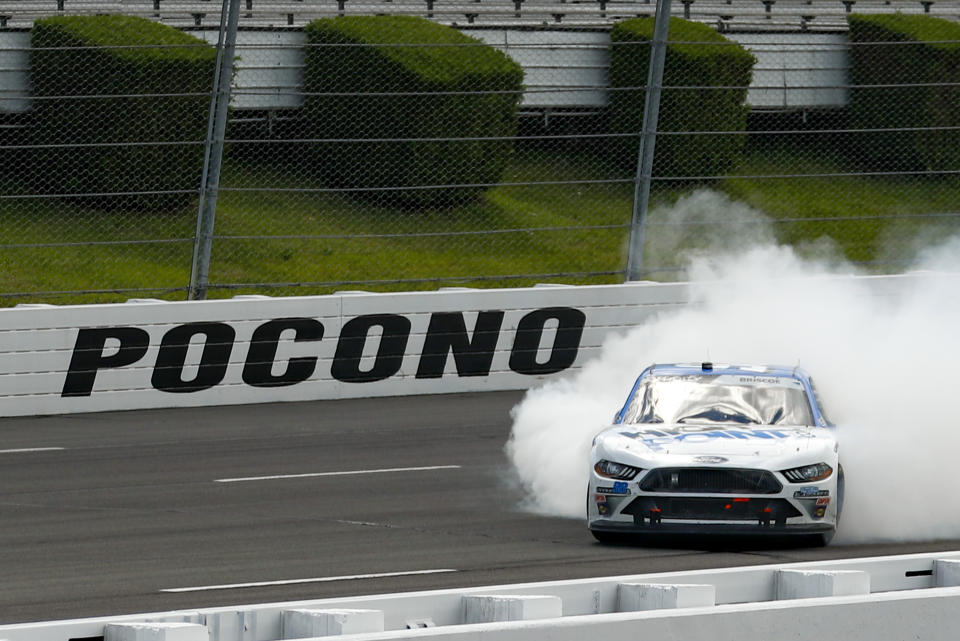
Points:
(449, 86)
(697, 56)
(897, 49)
(124, 86)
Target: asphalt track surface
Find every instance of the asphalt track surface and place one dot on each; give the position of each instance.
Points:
(131, 506)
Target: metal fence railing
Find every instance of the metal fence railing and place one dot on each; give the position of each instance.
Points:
(337, 171)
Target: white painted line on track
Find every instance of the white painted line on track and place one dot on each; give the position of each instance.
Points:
(32, 449)
(322, 579)
(347, 473)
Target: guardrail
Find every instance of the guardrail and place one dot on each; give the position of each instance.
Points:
(881, 598)
(257, 349)
(149, 353)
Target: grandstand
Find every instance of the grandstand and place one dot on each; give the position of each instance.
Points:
(725, 15)
(800, 45)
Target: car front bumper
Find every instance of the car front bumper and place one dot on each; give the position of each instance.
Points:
(711, 527)
(797, 508)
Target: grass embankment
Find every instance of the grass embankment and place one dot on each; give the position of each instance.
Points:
(350, 241)
(878, 222)
(360, 241)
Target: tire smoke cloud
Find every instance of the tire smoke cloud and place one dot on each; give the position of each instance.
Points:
(882, 355)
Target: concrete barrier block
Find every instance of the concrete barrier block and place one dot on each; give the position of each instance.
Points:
(632, 597)
(161, 631)
(487, 608)
(946, 573)
(806, 584)
(306, 624)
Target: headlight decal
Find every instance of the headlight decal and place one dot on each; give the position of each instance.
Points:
(613, 470)
(808, 473)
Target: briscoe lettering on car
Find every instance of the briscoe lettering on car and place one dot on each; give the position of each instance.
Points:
(102, 348)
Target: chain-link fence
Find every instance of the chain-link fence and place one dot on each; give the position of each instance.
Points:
(401, 145)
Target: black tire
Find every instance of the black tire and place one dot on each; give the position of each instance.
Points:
(841, 483)
(608, 538)
(822, 540)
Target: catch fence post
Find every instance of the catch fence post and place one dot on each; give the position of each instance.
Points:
(213, 151)
(648, 140)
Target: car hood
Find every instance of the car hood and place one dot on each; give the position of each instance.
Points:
(715, 440)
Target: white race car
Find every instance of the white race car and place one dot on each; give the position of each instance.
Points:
(717, 448)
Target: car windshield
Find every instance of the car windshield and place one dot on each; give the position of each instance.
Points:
(723, 398)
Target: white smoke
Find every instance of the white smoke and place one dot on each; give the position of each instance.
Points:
(702, 220)
(883, 362)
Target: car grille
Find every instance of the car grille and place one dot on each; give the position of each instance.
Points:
(706, 480)
(713, 509)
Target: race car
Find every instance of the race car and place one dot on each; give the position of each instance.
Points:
(705, 448)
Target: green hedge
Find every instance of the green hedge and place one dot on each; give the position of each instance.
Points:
(102, 60)
(697, 56)
(924, 50)
(373, 54)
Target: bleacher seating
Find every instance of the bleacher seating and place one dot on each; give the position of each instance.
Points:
(726, 15)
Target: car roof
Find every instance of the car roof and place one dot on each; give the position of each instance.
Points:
(680, 369)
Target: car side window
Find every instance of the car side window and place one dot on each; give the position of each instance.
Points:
(819, 401)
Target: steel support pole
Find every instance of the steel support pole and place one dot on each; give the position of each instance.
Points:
(213, 150)
(648, 140)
